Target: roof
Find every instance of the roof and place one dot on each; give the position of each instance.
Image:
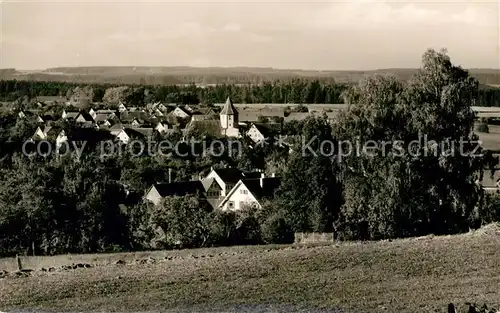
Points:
(72, 114)
(180, 188)
(207, 183)
(263, 129)
(86, 116)
(89, 134)
(229, 175)
(270, 184)
(138, 132)
(228, 107)
(296, 116)
(210, 127)
(101, 117)
(489, 181)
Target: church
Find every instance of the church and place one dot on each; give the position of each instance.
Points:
(229, 120)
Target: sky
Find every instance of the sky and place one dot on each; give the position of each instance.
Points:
(320, 35)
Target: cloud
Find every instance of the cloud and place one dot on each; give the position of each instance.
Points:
(232, 27)
(366, 14)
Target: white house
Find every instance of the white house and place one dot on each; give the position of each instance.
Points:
(67, 115)
(40, 134)
(179, 112)
(121, 135)
(92, 113)
(121, 107)
(249, 192)
(257, 133)
(229, 119)
(227, 178)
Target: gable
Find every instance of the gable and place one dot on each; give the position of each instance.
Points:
(216, 177)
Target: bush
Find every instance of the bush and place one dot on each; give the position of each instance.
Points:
(274, 229)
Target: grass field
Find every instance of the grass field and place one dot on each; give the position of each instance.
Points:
(411, 275)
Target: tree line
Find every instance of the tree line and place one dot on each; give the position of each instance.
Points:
(59, 204)
(295, 91)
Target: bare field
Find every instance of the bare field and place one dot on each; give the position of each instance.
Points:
(411, 275)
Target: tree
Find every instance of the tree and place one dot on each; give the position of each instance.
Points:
(182, 220)
(403, 190)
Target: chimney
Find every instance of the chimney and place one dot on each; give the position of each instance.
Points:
(169, 175)
(262, 176)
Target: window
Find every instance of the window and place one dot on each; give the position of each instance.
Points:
(231, 204)
(244, 192)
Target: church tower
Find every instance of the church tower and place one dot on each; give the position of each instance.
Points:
(229, 119)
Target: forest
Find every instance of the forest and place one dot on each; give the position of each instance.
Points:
(67, 204)
(295, 91)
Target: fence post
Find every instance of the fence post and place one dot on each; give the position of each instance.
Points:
(19, 264)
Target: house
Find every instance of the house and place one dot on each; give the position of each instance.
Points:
(121, 107)
(126, 134)
(69, 115)
(227, 178)
(158, 192)
(229, 119)
(41, 134)
(489, 183)
(158, 112)
(181, 113)
(258, 132)
(50, 99)
(92, 113)
(102, 119)
(250, 192)
(163, 128)
(84, 118)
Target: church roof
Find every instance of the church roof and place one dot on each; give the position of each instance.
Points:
(228, 107)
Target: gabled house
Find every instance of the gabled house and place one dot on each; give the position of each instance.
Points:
(158, 192)
(39, 119)
(181, 113)
(158, 112)
(250, 193)
(258, 132)
(163, 128)
(92, 113)
(489, 183)
(227, 178)
(84, 118)
(43, 133)
(126, 134)
(69, 115)
(121, 107)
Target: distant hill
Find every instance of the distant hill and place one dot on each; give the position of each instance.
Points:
(210, 75)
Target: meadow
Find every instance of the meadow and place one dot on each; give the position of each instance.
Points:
(407, 275)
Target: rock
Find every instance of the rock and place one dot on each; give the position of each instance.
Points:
(120, 262)
(43, 269)
(87, 265)
(52, 269)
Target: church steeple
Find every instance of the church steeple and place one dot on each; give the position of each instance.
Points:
(229, 117)
(228, 108)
